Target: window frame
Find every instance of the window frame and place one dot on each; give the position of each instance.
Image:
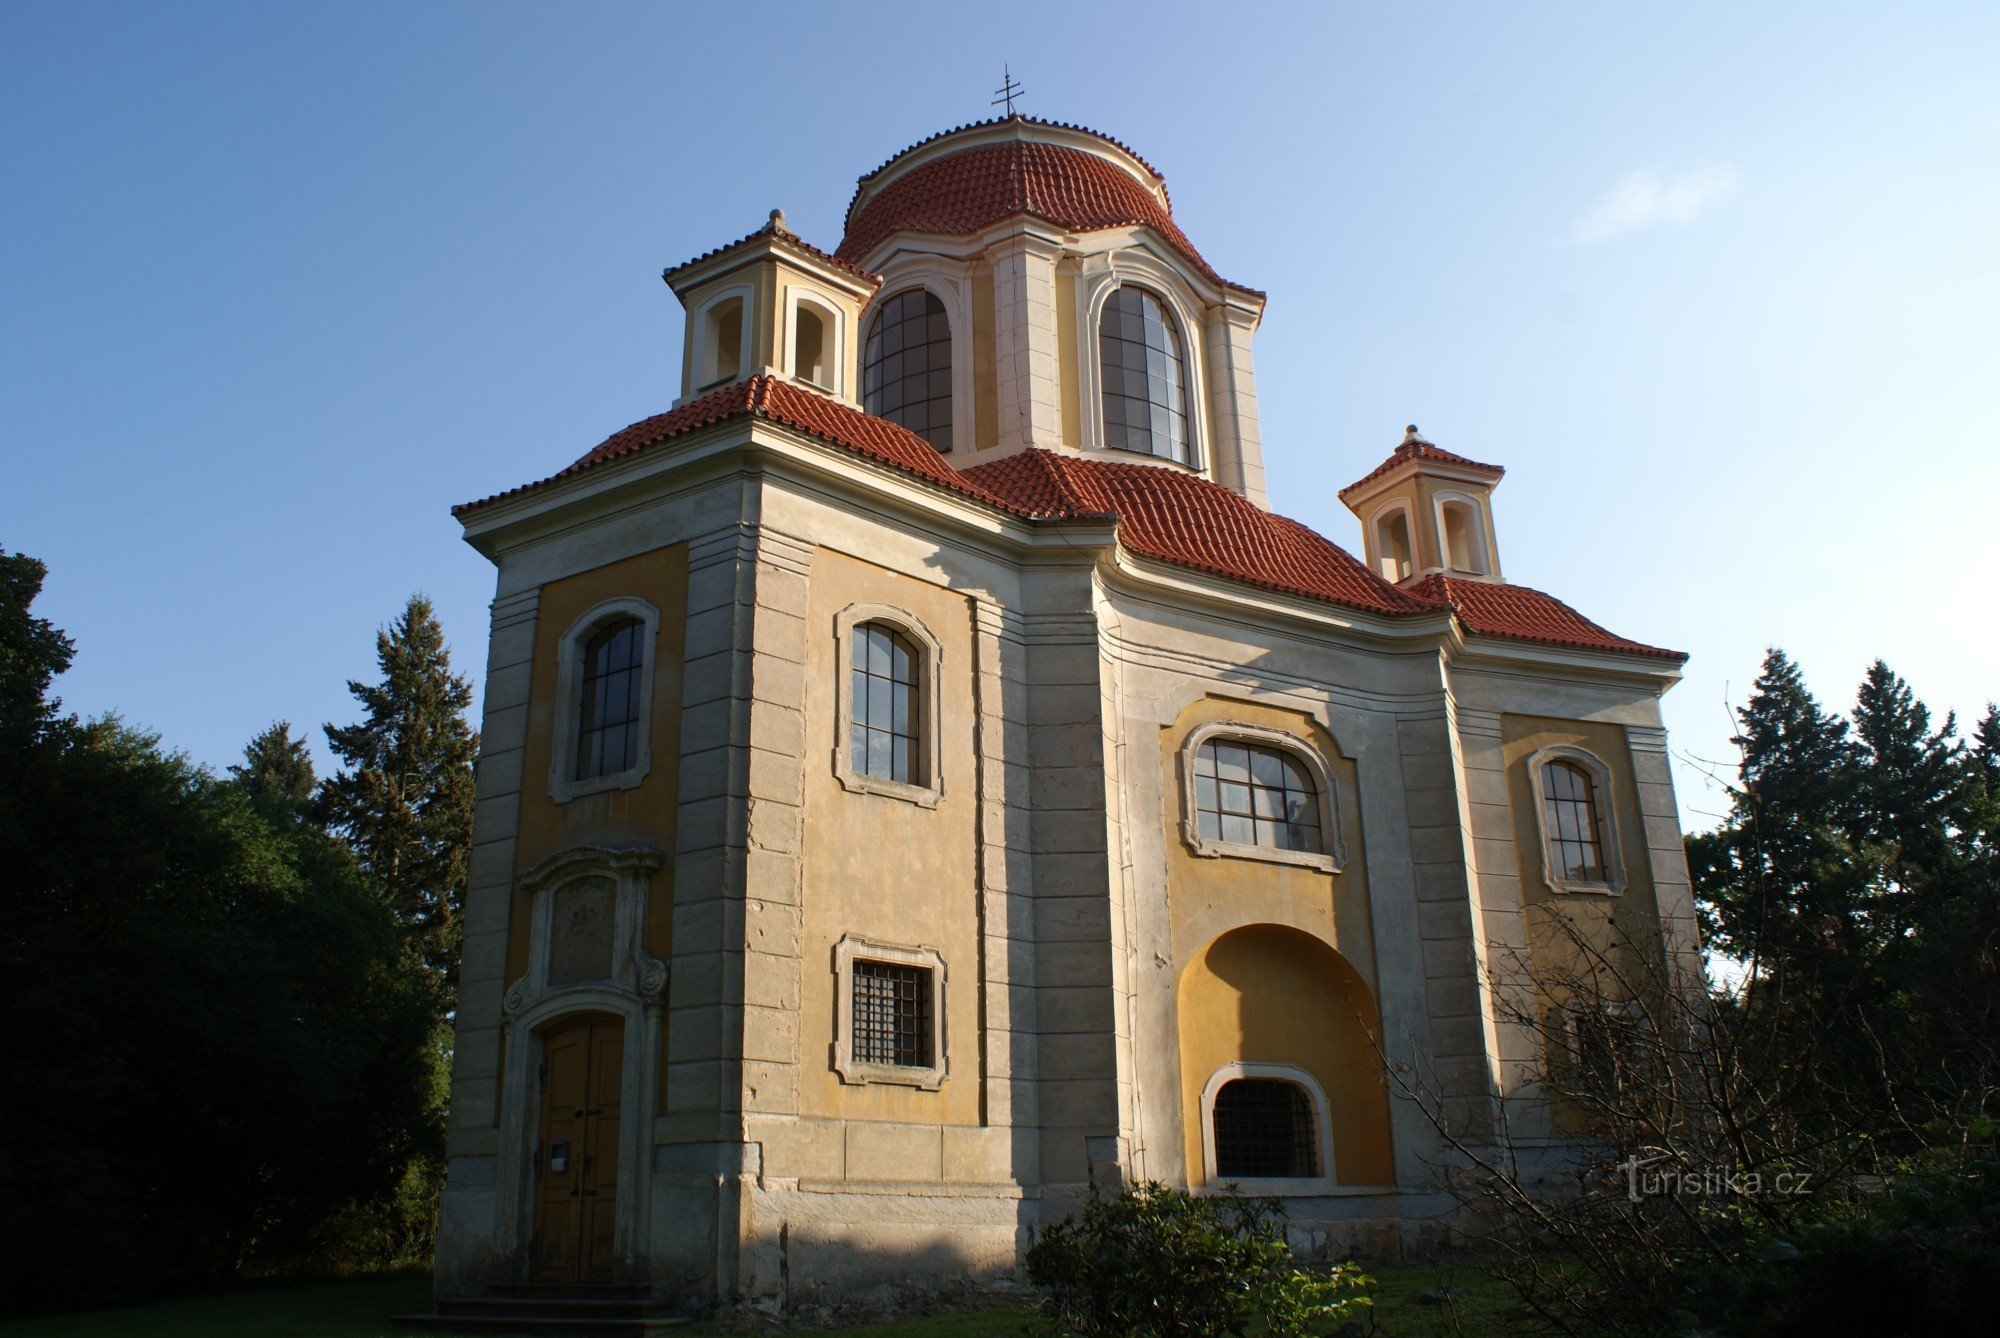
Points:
(1330, 859)
(1602, 796)
(1479, 538)
(928, 791)
(1171, 317)
(1213, 1180)
(705, 373)
(1138, 268)
(563, 783)
(854, 947)
(872, 317)
(833, 334)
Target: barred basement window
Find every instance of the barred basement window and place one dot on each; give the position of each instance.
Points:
(1252, 796)
(1264, 1129)
(1570, 823)
(607, 741)
(892, 1015)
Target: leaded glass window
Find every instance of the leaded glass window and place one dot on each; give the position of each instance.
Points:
(892, 1014)
(884, 717)
(1253, 796)
(1569, 810)
(1145, 377)
(906, 366)
(608, 725)
(1264, 1129)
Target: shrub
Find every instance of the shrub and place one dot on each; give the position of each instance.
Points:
(1161, 1261)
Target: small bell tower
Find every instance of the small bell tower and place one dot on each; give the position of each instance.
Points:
(1427, 510)
(771, 305)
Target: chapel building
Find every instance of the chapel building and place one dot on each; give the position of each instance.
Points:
(923, 778)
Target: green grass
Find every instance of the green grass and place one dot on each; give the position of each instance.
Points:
(360, 1309)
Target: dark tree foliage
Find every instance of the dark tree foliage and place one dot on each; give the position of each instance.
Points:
(404, 798)
(277, 773)
(1857, 877)
(216, 1043)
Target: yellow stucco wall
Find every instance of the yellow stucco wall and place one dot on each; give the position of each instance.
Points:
(643, 815)
(1069, 355)
(1294, 982)
(985, 385)
(884, 868)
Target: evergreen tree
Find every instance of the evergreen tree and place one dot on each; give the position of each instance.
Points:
(1780, 877)
(403, 800)
(1912, 796)
(32, 653)
(277, 772)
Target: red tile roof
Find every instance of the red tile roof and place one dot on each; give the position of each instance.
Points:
(785, 237)
(965, 191)
(1519, 613)
(781, 402)
(1416, 448)
(1161, 513)
(901, 154)
(1186, 520)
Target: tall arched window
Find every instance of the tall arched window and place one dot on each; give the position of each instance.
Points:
(906, 366)
(1570, 824)
(1254, 796)
(883, 741)
(607, 740)
(1265, 1128)
(1144, 366)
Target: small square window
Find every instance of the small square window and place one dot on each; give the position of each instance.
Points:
(892, 1006)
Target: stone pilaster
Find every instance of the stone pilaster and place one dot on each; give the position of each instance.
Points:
(1029, 386)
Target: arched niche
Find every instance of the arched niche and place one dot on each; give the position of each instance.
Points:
(1271, 998)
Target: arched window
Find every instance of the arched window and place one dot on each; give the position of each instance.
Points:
(1250, 795)
(1265, 1128)
(607, 740)
(1392, 544)
(722, 344)
(1570, 823)
(1462, 536)
(884, 726)
(906, 366)
(809, 346)
(1145, 376)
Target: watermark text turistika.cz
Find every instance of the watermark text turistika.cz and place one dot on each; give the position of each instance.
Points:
(1703, 1183)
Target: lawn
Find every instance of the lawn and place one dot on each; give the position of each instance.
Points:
(360, 1309)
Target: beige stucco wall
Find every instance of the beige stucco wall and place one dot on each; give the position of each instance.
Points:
(1294, 982)
(887, 869)
(643, 815)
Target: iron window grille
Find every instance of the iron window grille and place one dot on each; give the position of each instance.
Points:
(892, 1014)
(608, 725)
(906, 366)
(1264, 1129)
(1254, 796)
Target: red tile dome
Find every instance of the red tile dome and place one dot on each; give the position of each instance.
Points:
(961, 191)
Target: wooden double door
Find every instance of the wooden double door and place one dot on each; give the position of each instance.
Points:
(576, 1155)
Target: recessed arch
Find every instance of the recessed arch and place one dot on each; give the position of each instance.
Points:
(1464, 539)
(1098, 279)
(1273, 1000)
(721, 326)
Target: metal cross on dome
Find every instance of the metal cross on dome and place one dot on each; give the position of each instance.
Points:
(1008, 90)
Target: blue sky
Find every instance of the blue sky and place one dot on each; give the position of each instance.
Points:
(1717, 283)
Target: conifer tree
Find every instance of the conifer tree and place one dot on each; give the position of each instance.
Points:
(403, 799)
(1781, 878)
(1912, 794)
(32, 652)
(277, 772)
